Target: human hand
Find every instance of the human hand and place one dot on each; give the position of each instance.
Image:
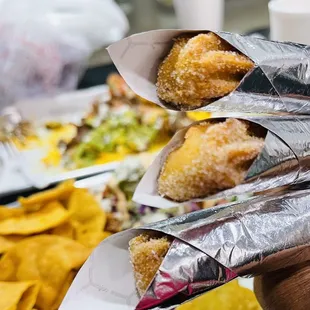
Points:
(287, 288)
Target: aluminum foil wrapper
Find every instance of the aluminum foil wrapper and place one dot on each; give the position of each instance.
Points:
(279, 83)
(284, 161)
(211, 247)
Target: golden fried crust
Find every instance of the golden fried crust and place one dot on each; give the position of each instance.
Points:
(213, 157)
(200, 69)
(146, 255)
(167, 85)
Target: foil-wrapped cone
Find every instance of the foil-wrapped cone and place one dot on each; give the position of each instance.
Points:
(279, 83)
(283, 161)
(210, 248)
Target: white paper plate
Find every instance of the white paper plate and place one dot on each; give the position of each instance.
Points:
(65, 107)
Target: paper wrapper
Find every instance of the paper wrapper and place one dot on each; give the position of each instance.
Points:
(280, 81)
(283, 161)
(212, 247)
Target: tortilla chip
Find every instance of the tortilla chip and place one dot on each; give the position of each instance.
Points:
(230, 296)
(88, 217)
(83, 205)
(66, 229)
(48, 259)
(105, 234)
(35, 202)
(90, 232)
(18, 295)
(5, 244)
(52, 215)
(64, 289)
(198, 116)
(8, 242)
(6, 212)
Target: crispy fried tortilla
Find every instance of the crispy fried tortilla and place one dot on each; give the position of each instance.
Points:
(47, 259)
(49, 216)
(200, 69)
(147, 254)
(212, 158)
(18, 295)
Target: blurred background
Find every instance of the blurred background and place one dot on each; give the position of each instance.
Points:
(240, 16)
(61, 45)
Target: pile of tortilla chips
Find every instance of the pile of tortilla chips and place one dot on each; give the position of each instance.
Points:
(43, 244)
(46, 240)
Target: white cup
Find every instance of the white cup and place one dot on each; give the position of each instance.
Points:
(290, 20)
(200, 14)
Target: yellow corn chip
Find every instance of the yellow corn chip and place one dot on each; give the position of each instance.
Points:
(52, 215)
(7, 242)
(230, 296)
(66, 229)
(90, 233)
(198, 116)
(83, 206)
(6, 212)
(105, 234)
(36, 201)
(18, 295)
(88, 217)
(64, 289)
(48, 259)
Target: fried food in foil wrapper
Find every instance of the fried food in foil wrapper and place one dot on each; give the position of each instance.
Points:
(211, 247)
(283, 161)
(200, 69)
(278, 83)
(213, 157)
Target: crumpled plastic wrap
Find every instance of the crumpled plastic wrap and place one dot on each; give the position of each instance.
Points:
(45, 44)
(279, 83)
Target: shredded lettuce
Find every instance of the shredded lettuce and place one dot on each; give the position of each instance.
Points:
(123, 131)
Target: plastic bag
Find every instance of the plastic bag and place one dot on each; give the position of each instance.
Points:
(45, 44)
